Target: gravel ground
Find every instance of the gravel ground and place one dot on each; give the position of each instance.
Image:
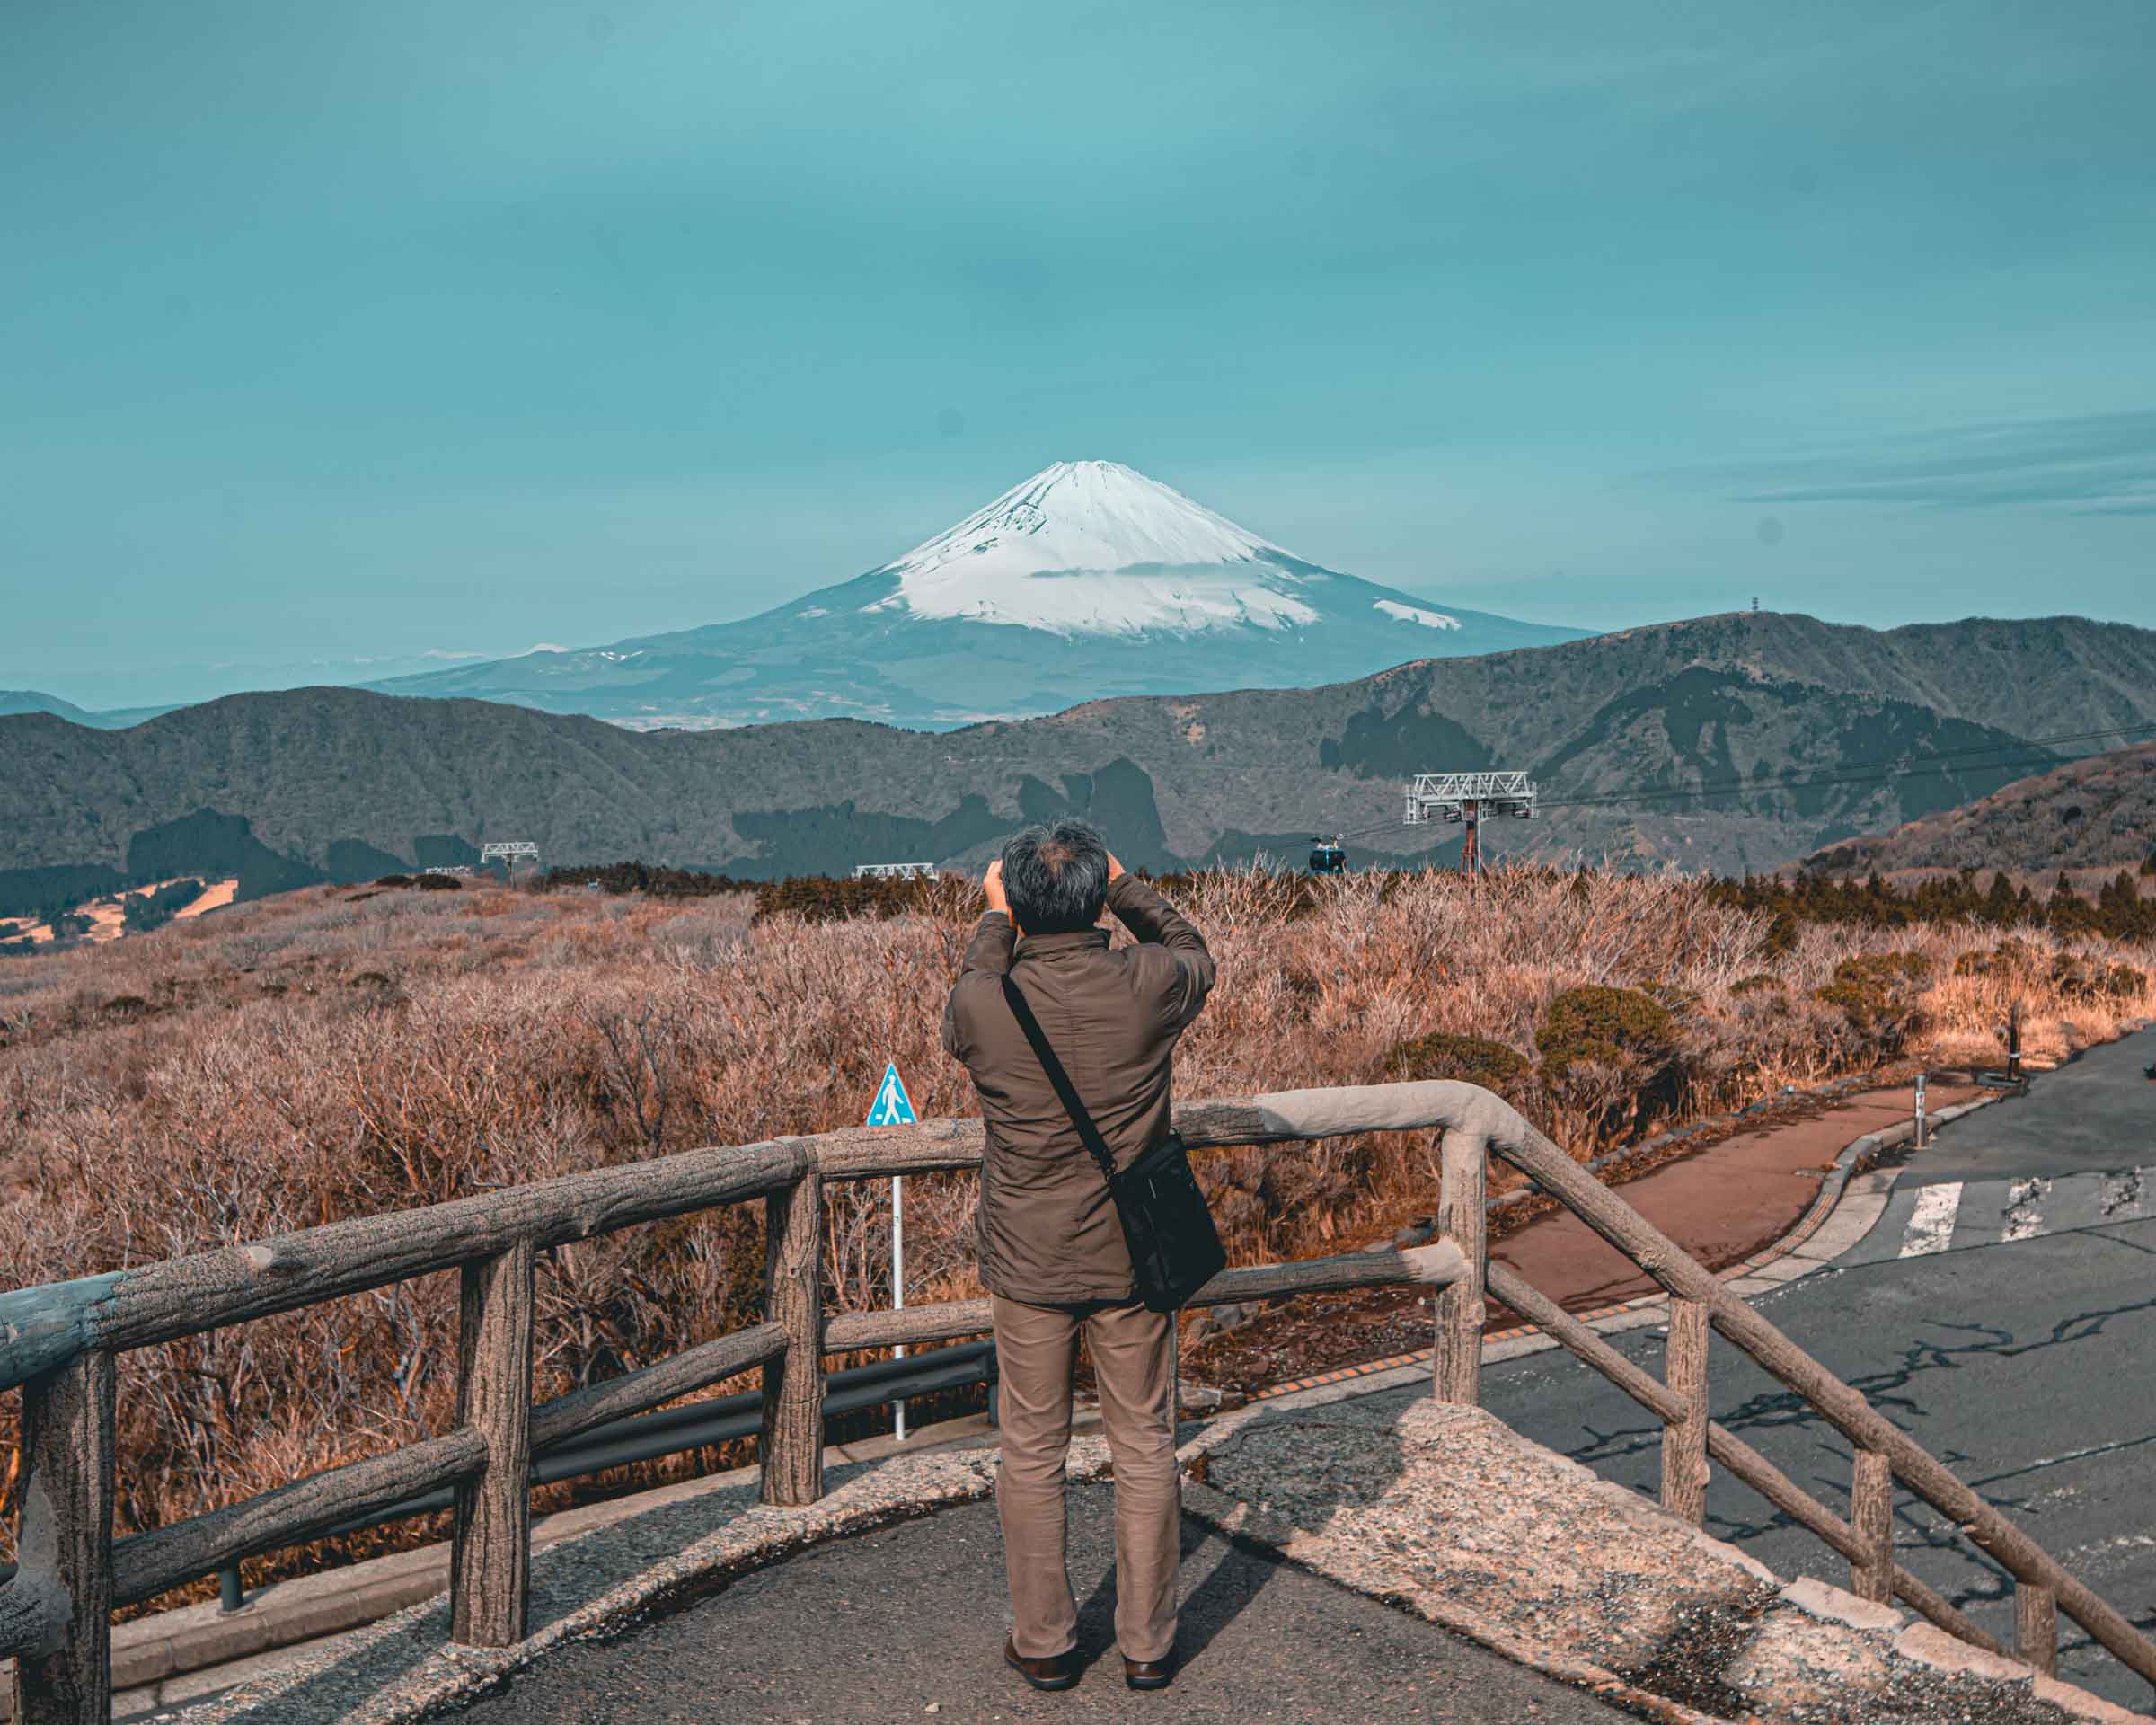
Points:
(908, 1623)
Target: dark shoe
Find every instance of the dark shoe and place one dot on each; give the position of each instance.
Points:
(1059, 1673)
(1148, 1673)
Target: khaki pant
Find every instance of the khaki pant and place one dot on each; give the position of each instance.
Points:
(1134, 1362)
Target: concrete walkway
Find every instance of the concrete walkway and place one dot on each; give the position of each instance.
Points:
(908, 1623)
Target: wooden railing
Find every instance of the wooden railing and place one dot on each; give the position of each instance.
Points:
(59, 1344)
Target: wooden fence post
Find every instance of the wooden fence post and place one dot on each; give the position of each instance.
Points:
(1457, 1356)
(790, 1445)
(66, 1540)
(1684, 1441)
(1871, 1516)
(2037, 1627)
(491, 1555)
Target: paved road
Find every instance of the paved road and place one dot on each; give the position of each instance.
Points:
(908, 1623)
(2004, 1311)
(2097, 1113)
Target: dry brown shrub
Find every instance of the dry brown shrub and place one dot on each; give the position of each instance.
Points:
(285, 1063)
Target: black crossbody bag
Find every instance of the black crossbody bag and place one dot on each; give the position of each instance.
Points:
(1174, 1248)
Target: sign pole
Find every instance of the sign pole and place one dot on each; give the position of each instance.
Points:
(894, 1107)
(898, 1283)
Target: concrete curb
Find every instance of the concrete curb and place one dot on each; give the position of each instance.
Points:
(403, 1669)
(180, 1656)
(1236, 1517)
(1814, 1637)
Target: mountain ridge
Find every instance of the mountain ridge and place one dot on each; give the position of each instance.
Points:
(1787, 717)
(22, 701)
(2098, 812)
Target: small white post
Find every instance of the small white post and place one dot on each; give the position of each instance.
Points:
(898, 1283)
(1920, 1111)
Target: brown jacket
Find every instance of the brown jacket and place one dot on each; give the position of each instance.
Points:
(1048, 1230)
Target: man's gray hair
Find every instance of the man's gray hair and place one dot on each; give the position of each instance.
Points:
(1056, 877)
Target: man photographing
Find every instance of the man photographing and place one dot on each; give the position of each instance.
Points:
(1052, 1251)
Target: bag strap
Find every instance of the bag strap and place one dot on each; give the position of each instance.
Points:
(1059, 1078)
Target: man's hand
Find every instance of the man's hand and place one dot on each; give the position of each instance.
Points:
(992, 883)
(1114, 867)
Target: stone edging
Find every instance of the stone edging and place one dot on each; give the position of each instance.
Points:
(1243, 1520)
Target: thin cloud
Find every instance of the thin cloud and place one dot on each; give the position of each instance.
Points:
(2094, 464)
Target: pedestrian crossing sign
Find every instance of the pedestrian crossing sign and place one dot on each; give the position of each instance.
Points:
(892, 1106)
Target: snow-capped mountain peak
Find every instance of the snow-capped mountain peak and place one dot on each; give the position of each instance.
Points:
(1089, 579)
(1094, 547)
(1088, 515)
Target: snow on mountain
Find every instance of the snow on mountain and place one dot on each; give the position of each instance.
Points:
(1415, 613)
(1087, 580)
(1094, 547)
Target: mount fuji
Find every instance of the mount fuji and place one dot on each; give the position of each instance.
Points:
(1089, 579)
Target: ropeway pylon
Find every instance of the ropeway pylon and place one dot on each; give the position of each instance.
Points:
(1462, 796)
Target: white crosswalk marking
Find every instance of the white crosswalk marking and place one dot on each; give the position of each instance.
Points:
(1955, 1216)
(1931, 1226)
(2025, 1209)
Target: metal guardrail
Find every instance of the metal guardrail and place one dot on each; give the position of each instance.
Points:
(652, 1436)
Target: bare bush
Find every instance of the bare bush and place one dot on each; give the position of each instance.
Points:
(324, 1053)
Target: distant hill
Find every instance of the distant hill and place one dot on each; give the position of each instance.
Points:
(1804, 735)
(1088, 579)
(38, 702)
(2095, 813)
(13, 701)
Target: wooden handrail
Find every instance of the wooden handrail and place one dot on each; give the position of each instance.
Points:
(58, 1343)
(41, 1327)
(1684, 1439)
(147, 1564)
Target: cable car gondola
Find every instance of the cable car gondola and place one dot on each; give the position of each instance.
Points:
(1328, 855)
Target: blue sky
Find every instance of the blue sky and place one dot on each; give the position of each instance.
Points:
(344, 332)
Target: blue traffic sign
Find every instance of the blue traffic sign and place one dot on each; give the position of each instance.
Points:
(892, 1106)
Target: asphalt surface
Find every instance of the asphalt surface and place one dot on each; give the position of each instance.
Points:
(2096, 1112)
(908, 1623)
(2016, 1342)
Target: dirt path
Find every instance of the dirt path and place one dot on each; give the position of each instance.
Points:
(1721, 1202)
(1722, 1205)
